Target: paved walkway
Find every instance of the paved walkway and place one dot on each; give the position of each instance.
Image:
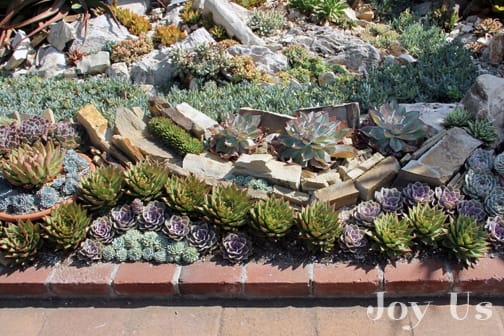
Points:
(243, 318)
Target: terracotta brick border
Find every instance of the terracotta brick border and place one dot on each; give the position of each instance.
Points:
(254, 280)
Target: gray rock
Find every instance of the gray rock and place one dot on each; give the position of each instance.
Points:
(101, 30)
(486, 99)
(263, 57)
(227, 15)
(118, 70)
(154, 68)
(273, 122)
(191, 119)
(197, 37)
(266, 167)
(378, 176)
(339, 194)
(348, 112)
(326, 78)
(60, 34)
(443, 160)
(496, 48)
(94, 64)
(22, 49)
(349, 14)
(292, 196)
(432, 114)
(50, 62)
(136, 6)
(208, 165)
(173, 16)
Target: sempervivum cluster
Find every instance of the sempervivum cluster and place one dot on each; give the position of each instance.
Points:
(177, 227)
(123, 218)
(203, 237)
(236, 247)
(499, 164)
(90, 250)
(494, 202)
(33, 129)
(417, 193)
(366, 212)
(448, 198)
(390, 199)
(353, 238)
(8, 138)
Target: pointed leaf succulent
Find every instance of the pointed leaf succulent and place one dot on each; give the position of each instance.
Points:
(391, 236)
(429, 223)
(145, 180)
(102, 189)
(272, 218)
(20, 242)
(186, 194)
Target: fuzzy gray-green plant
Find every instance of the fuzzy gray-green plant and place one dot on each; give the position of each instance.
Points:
(266, 23)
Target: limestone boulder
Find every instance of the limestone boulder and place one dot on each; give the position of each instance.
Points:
(94, 64)
(154, 68)
(264, 58)
(60, 34)
(207, 164)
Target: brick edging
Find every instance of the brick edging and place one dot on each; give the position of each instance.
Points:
(254, 280)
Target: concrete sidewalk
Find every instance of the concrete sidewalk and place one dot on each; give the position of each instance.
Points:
(257, 318)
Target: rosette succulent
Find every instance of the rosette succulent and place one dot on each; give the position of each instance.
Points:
(495, 227)
(90, 250)
(102, 189)
(123, 218)
(177, 227)
(429, 223)
(190, 255)
(272, 218)
(478, 184)
(153, 216)
(391, 236)
(313, 140)
(417, 192)
(203, 237)
(483, 130)
(466, 239)
(366, 212)
(457, 117)
(145, 180)
(186, 194)
(227, 207)
(448, 198)
(33, 129)
(20, 242)
(65, 133)
(390, 199)
(353, 238)
(499, 164)
(319, 226)
(8, 138)
(46, 197)
(472, 208)
(102, 230)
(67, 226)
(236, 247)
(494, 202)
(175, 250)
(480, 159)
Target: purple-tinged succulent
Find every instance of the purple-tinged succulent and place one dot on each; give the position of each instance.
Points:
(102, 230)
(448, 198)
(353, 238)
(478, 184)
(203, 237)
(367, 211)
(495, 225)
(472, 208)
(480, 159)
(90, 250)
(8, 138)
(390, 199)
(123, 218)
(236, 247)
(177, 227)
(153, 216)
(33, 129)
(137, 206)
(417, 192)
(65, 133)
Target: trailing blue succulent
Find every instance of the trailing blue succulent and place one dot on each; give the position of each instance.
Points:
(123, 218)
(494, 202)
(448, 198)
(366, 212)
(390, 199)
(73, 163)
(70, 187)
(46, 197)
(236, 247)
(177, 227)
(495, 227)
(153, 216)
(21, 203)
(472, 208)
(101, 229)
(203, 237)
(58, 183)
(480, 159)
(478, 184)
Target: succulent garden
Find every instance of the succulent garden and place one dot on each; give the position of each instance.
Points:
(273, 142)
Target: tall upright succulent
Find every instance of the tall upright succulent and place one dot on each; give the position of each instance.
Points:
(20, 242)
(272, 218)
(227, 207)
(313, 140)
(102, 189)
(390, 199)
(478, 184)
(417, 193)
(391, 236)
(395, 130)
(319, 226)
(429, 223)
(67, 226)
(32, 166)
(239, 134)
(186, 194)
(145, 180)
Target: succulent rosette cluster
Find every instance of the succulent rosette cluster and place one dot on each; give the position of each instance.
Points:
(448, 198)
(495, 227)
(177, 227)
(417, 193)
(366, 212)
(390, 199)
(236, 247)
(203, 237)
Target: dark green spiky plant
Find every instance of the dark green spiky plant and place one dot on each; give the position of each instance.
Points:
(102, 189)
(319, 226)
(457, 117)
(20, 242)
(391, 236)
(483, 130)
(272, 218)
(145, 180)
(186, 194)
(66, 227)
(466, 239)
(429, 222)
(174, 136)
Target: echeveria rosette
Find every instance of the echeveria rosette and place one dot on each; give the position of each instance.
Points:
(417, 193)
(353, 238)
(478, 184)
(390, 199)
(90, 250)
(472, 208)
(8, 138)
(20, 242)
(366, 212)
(236, 247)
(33, 129)
(495, 227)
(153, 216)
(494, 202)
(499, 164)
(448, 198)
(123, 218)
(203, 237)
(177, 227)
(102, 230)
(480, 159)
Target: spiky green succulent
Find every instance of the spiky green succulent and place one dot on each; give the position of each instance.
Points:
(391, 236)
(313, 140)
(67, 226)
(227, 207)
(319, 226)
(483, 130)
(466, 239)
(239, 134)
(185, 194)
(272, 218)
(457, 117)
(102, 189)
(145, 180)
(478, 184)
(20, 242)
(395, 130)
(33, 166)
(494, 202)
(429, 222)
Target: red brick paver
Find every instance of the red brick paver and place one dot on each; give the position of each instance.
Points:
(210, 279)
(487, 276)
(344, 280)
(143, 279)
(30, 281)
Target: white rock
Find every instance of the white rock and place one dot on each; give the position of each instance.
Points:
(432, 114)
(136, 6)
(118, 70)
(263, 57)
(154, 68)
(22, 48)
(51, 62)
(60, 34)
(197, 37)
(207, 164)
(94, 64)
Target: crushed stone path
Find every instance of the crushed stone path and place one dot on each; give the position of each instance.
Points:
(242, 318)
